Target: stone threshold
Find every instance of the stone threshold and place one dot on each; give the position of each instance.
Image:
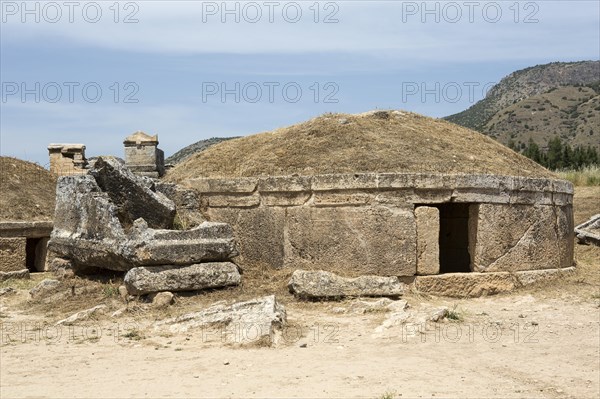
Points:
(469, 285)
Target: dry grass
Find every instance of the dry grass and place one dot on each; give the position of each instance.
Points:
(587, 176)
(379, 141)
(28, 191)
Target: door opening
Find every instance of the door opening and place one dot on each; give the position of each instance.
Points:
(454, 238)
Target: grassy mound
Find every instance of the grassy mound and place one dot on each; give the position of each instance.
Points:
(27, 191)
(376, 141)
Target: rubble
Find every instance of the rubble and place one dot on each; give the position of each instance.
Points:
(589, 231)
(257, 321)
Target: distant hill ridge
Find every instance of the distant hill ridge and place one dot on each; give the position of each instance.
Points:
(525, 83)
(192, 149)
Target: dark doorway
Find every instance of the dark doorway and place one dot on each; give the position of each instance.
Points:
(454, 238)
(31, 252)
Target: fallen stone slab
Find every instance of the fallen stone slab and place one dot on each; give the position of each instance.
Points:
(255, 322)
(321, 284)
(82, 316)
(530, 277)
(149, 279)
(464, 285)
(16, 274)
(589, 231)
(134, 196)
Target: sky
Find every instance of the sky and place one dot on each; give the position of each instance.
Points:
(95, 72)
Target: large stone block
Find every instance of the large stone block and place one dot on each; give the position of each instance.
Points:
(520, 237)
(12, 254)
(428, 236)
(133, 196)
(145, 280)
(259, 233)
(463, 285)
(320, 285)
(354, 241)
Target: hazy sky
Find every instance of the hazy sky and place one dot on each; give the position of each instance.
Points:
(94, 72)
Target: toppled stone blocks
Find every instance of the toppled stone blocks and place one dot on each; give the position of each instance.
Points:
(589, 231)
(145, 280)
(254, 322)
(89, 227)
(321, 284)
(134, 197)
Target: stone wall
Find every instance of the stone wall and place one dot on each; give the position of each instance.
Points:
(12, 254)
(13, 244)
(365, 223)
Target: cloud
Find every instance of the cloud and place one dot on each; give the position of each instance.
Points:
(394, 28)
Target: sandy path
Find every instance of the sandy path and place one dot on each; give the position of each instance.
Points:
(557, 358)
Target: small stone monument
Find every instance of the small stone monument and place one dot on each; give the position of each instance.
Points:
(142, 155)
(67, 159)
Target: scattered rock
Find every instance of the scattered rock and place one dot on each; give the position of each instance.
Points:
(61, 268)
(162, 299)
(7, 290)
(145, 280)
(123, 292)
(16, 274)
(226, 362)
(258, 321)
(44, 288)
(322, 284)
(439, 315)
(82, 316)
(589, 231)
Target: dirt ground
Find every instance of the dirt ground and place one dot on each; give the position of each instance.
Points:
(540, 342)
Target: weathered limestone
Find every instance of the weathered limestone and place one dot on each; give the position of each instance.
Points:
(36, 229)
(464, 285)
(144, 280)
(44, 288)
(89, 225)
(254, 322)
(187, 203)
(368, 222)
(374, 240)
(530, 277)
(321, 284)
(143, 156)
(12, 254)
(14, 274)
(259, 233)
(428, 231)
(83, 315)
(520, 237)
(589, 231)
(67, 159)
(133, 197)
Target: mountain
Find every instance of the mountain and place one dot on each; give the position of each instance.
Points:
(192, 149)
(539, 103)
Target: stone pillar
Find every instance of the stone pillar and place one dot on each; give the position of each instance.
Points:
(428, 233)
(142, 155)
